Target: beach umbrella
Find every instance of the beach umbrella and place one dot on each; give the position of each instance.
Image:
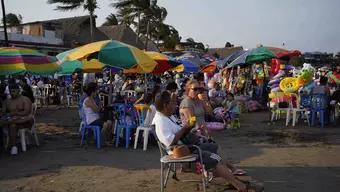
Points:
(240, 60)
(209, 68)
(18, 61)
(84, 65)
(164, 63)
(186, 67)
(223, 63)
(113, 53)
(259, 54)
(283, 53)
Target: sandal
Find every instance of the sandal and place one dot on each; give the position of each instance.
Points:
(239, 172)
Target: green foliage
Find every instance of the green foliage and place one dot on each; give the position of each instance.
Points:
(110, 20)
(12, 19)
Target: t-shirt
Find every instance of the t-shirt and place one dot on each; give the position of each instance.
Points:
(196, 107)
(166, 128)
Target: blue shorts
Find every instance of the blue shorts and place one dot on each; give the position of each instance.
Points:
(97, 122)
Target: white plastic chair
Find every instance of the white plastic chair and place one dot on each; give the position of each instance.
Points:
(147, 128)
(32, 131)
(295, 111)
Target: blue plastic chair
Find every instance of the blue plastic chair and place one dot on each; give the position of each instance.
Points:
(121, 110)
(319, 105)
(85, 127)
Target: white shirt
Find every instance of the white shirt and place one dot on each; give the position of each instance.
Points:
(166, 128)
(40, 84)
(90, 115)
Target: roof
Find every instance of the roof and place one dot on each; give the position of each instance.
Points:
(225, 52)
(123, 34)
(75, 29)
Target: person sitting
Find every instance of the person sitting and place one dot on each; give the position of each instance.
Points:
(18, 112)
(322, 88)
(92, 110)
(195, 103)
(232, 111)
(170, 134)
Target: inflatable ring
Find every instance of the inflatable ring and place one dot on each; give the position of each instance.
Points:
(289, 85)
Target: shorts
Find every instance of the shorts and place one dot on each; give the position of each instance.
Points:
(210, 157)
(97, 122)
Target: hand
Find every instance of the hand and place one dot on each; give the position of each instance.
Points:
(203, 97)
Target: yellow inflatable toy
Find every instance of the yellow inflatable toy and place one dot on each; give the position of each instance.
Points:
(289, 85)
(273, 95)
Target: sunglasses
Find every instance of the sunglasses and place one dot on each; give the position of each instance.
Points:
(198, 89)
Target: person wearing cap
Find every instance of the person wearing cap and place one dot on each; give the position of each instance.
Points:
(170, 133)
(17, 111)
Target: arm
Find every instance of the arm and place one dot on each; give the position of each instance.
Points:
(185, 114)
(180, 134)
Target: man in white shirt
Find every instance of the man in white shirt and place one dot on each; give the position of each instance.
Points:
(170, 133)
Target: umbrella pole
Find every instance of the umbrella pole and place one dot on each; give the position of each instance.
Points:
(110, 89)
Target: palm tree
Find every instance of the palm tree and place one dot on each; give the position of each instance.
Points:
(13, 19)
(129, 10)
(68, 5)
(110, 20)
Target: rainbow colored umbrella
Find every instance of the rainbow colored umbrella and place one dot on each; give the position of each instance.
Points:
(113, 53)
(18, 61)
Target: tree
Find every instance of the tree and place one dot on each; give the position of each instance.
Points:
(69, 5)
(110, 20)
(13, 19)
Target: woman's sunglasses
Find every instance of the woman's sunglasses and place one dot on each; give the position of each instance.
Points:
(198, 89)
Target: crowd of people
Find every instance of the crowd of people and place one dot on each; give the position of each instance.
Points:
(174, 99)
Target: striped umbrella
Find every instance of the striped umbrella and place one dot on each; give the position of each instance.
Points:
(69, 67)
(113, 53)
(18, 61)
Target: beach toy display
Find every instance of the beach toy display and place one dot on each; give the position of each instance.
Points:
(289, 85)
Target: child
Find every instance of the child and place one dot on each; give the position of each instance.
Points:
(232, 111)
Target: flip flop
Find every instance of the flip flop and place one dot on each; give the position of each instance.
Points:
(239, 172)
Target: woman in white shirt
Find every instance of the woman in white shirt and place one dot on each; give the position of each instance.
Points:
(92, 111)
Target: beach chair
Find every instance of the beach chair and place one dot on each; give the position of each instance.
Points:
(302, 107)
(32, 131)
(22, 132)
(319, 106)
(169, 165)
(145, 116)
(85, 128)
(122, 123)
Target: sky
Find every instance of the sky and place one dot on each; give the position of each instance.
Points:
(306, 25)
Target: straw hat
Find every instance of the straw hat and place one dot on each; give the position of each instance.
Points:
(180, 152)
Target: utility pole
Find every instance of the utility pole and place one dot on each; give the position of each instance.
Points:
(4, 22)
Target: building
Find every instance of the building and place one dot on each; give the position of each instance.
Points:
(225, 51)
(125, 34)
(318, 59)
(58, 35)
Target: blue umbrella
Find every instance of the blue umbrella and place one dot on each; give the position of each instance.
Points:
(189, 67)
